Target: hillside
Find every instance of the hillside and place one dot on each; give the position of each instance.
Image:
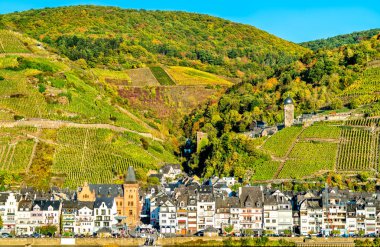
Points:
(344, 79)
(340, 40)
(63, 124)
(124, 39)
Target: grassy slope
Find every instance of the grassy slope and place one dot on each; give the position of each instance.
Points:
(190, 76)
(10, 42)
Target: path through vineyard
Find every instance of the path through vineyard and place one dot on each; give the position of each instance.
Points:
(52, 124)
(287, 154)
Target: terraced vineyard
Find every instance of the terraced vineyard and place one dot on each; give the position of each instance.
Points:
(162, 77)
(265, 170)
(19, 97)
(190, 76)
(366, 90)
(353, 145)
(98, 155)
(281, 142)
(15, 149)
(321, 131)
(307, 158)
(10, 43)
(359, 145)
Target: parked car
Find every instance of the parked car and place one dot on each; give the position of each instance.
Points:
(5, 235)
(36, 235)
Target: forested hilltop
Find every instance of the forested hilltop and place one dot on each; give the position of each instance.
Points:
(340, 40)
(120, 38)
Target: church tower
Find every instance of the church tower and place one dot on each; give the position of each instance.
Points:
(288, 112)
(131, 205)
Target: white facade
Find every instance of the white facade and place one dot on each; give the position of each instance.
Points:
(205, 214)
(311, 217)
(23, 220)
(52, 213)
(8, 209)
(84, 221)
(370, 219)
(167, 218)
(270, 222)
(105, 211)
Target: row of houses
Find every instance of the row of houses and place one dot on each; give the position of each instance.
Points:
(23, 215)
(192, 208)
(186, 207)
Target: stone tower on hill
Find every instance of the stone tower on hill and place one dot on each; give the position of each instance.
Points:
(288, 112)
(131, 204)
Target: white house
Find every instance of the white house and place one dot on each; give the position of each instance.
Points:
(23, 218)
(285, 215)
(104, 212)
(84, 219)
(167, 217)
(205, 211)
(8, 209)
(51, 213)
(311, 216)
(170, 171)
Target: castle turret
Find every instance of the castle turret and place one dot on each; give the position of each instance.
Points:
(288, 112)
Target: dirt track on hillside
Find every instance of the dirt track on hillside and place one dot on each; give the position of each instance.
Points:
(52, 124)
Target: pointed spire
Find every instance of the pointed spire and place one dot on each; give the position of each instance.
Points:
(130, 178)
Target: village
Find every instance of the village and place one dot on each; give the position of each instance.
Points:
(182, 206)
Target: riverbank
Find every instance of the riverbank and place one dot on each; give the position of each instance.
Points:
(179, 241)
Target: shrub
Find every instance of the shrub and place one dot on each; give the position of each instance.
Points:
(144, 143)
(41, 88)
(17, 117)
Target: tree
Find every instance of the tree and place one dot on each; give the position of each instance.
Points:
(153, 180)
(288, 232)
(228, 229)
(363, 176)
(1, 222)
(144, 143)
(48, 230)
(335, 232)
(361, 233)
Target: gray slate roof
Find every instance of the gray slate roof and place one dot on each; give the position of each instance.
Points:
(107, 190)
(107, 200)
(131, 177)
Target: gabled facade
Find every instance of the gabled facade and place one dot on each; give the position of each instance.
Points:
(23, 218)
(168, 217)
(251, 212)
(105, 211)
(8, 209)
(84, 219)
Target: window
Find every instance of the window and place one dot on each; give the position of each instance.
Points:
(130, 212)
(103, 212)
(97, 223)
(106, 224)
